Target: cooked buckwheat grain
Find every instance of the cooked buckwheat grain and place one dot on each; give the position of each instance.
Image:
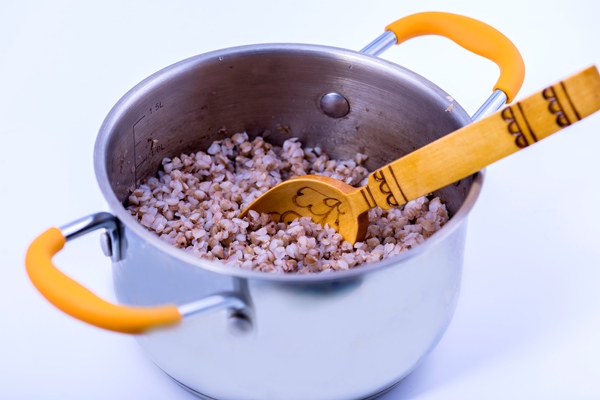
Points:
(195, 201)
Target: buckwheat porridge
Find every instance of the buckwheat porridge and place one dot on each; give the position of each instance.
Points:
(195, 200)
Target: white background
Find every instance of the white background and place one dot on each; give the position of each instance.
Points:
(528, 319)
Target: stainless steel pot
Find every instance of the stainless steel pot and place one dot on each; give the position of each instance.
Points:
(251, 335)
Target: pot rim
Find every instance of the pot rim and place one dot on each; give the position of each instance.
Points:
(148, 83)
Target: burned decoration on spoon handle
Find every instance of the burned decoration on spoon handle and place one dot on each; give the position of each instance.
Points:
(480, 144)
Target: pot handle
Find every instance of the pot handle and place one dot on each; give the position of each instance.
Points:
(77, 301)
(473, 35)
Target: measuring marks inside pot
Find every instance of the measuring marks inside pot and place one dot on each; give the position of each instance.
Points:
(146, 146)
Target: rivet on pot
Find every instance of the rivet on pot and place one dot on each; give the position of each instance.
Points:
(106, 244)
(335, 105)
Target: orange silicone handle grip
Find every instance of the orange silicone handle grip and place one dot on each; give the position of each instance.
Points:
(77, 301)
(473, 35)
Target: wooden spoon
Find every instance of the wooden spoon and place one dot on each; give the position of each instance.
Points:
(440, 163)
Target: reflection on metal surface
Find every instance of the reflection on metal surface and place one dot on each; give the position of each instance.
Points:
(381, 44)
(496, 100)
(217, 301)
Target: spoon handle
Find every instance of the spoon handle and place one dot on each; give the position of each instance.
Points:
(475, 146)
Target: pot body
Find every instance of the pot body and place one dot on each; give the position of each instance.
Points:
(341, 339)
(343, 335)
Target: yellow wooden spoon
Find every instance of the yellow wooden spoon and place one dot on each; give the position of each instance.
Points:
(440, 163)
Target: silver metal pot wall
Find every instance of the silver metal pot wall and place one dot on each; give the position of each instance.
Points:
(251, 335)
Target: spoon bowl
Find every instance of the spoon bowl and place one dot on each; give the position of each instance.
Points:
(327, 201)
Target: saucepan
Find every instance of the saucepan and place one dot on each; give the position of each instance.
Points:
(228, 333)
